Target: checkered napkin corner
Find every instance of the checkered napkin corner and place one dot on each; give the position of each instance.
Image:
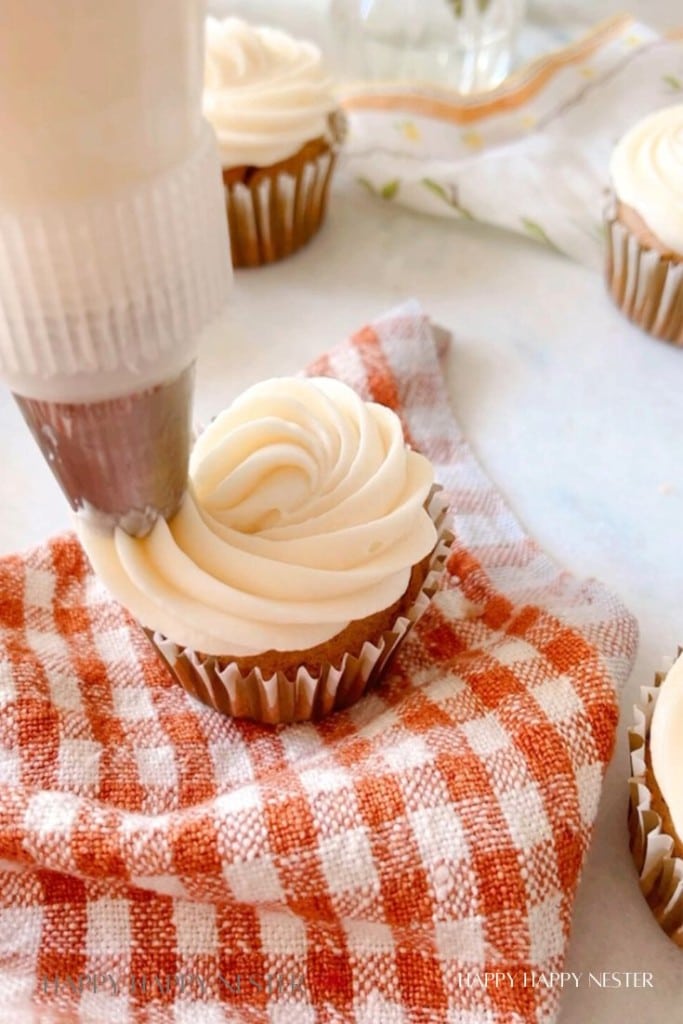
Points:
(163, 863)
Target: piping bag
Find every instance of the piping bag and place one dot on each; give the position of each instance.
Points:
(114, 251)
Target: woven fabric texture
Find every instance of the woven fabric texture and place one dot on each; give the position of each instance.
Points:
(547, 132)
(162, 863)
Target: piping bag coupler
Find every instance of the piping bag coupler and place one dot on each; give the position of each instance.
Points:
(109, 272)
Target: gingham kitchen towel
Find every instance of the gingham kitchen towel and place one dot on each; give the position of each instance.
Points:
(412, 860)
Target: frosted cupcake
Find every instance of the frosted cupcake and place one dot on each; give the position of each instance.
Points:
(308, 543)
(656, 806)
(645, 225)
(279, 127)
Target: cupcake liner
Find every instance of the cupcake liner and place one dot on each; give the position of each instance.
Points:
(124, 460)
(660, 871)
(646, 286)
(276, 699)
(277, 214)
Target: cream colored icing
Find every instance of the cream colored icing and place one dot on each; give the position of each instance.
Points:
(305, 511)
(647, 173)
(666, 748)
(265, 93)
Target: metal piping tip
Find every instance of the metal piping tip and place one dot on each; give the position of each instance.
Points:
(123, 461)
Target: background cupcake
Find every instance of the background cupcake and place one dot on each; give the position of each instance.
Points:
(309, 542)
(656, 798)
(279, 127)
(645, 225)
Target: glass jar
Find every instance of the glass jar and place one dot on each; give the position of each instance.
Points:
(467, 45)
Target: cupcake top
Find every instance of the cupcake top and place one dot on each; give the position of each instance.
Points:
(666, 743)
(265, 93)
(305, 511)
(647, 173)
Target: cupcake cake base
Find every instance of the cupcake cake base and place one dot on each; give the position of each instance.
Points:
(644, 279)
(273, 211)
(300, 690)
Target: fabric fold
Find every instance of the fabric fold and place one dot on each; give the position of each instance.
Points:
(532, 156)
(163, 863)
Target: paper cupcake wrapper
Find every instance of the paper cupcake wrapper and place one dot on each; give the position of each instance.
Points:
(276, 699)
(646, 287)
(660, 871)
(278, 214)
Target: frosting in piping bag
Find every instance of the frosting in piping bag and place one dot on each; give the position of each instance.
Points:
(305, 511)
(265, 93)
(647, 173)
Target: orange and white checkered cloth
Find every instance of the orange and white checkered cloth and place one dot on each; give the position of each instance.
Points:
(162, 863)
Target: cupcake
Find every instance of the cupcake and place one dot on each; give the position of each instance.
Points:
(309, 541)
(656, 798)
(279, 127)
(645, 225)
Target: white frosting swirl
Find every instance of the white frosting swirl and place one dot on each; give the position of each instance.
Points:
(305, 511)
(265, 93)
(666, 748)
(647, 173)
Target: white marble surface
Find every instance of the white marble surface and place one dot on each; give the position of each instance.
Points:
(575, 415)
